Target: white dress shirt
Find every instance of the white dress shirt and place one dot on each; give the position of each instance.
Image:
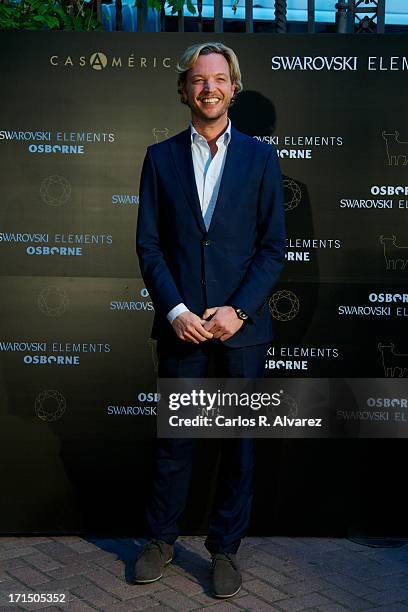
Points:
(208, 173)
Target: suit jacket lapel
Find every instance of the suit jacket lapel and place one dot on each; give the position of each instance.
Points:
(235, 160)
(231, 177)
(183, 163)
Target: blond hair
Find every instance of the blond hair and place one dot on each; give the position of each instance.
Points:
(189, 57)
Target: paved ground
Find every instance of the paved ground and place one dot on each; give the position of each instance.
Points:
(279, 573)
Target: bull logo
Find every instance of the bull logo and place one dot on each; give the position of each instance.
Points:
(396, 257)
(395, 149)
(395, 364)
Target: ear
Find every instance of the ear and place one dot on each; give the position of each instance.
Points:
(182, 92)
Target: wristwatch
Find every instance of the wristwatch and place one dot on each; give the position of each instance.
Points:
(241, 314)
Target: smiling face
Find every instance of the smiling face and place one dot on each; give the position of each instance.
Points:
(208, 88)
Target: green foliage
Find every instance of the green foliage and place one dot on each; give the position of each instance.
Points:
(178, 5)
(175, 5)
(47, 15)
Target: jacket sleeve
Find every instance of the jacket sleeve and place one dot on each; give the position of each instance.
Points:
(155, 271)
(263, 273)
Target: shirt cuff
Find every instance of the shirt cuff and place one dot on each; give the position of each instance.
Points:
(174, 312)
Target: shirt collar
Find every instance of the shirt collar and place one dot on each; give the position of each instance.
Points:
(225, 136)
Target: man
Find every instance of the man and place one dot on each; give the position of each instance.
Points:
(210, 241)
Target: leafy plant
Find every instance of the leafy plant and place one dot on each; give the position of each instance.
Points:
(48, 15)
(178, 5)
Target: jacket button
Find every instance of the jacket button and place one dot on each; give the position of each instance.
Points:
(207, 243)
(203, 282)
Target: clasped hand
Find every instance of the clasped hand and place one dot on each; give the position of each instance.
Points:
(223, 324)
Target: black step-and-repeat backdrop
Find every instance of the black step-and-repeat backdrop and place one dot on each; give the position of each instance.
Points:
(78, 391)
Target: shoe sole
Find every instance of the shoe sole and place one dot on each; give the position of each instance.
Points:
(154, 579)
(229, 594)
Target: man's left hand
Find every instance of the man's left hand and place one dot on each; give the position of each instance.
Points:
(225, 322)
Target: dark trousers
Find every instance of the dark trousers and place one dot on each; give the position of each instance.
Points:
(230, 514)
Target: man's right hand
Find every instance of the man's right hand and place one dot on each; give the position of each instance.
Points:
(189, 327)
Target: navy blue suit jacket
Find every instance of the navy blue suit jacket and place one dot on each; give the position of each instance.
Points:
(238, 260)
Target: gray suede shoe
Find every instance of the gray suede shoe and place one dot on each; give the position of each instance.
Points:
(154, 557)
(225, 575)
